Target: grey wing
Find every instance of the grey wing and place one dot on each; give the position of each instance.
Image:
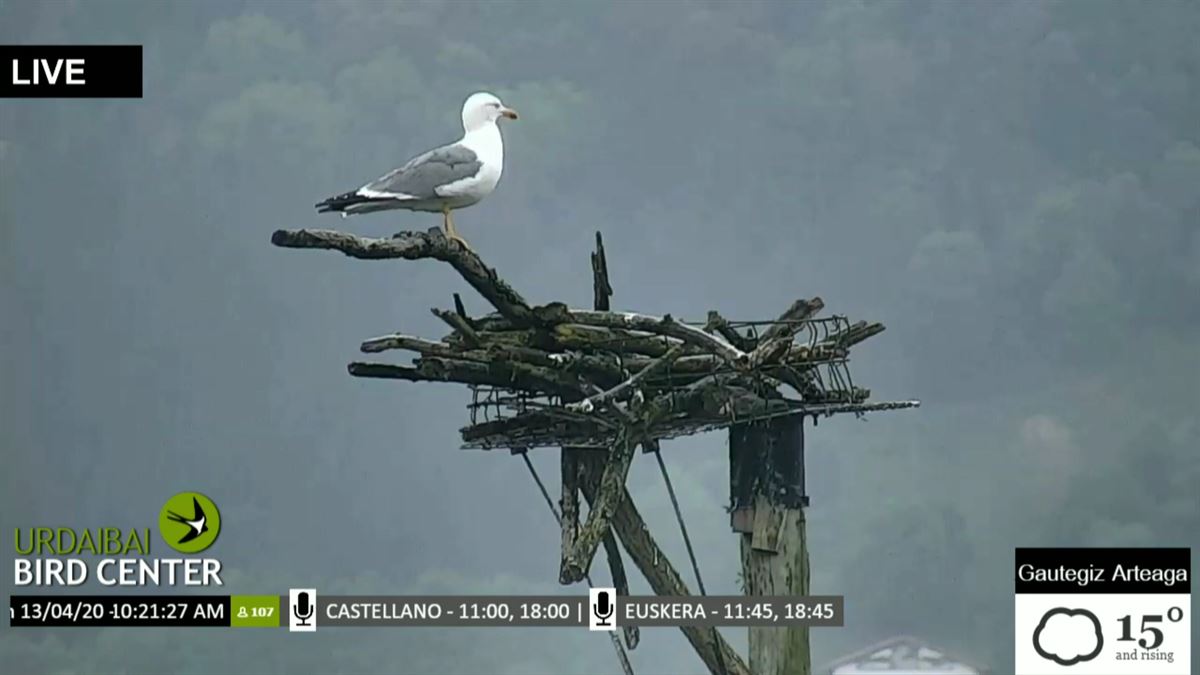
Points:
(421, 177)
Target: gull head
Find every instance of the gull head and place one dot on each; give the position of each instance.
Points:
(484, 108)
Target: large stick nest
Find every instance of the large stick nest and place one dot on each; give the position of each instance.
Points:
(550, 375)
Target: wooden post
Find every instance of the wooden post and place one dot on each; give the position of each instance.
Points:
(581, 379)
(766, 480)
(662, 576)
(572, 473)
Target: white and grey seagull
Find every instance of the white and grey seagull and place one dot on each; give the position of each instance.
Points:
(451, 177)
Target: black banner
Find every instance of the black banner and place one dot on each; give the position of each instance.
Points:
(70, 71)
(1103, 570)
(117, 610)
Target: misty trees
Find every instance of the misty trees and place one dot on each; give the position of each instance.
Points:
(1013, 186)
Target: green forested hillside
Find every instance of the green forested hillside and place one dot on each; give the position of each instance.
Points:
(1013, 188)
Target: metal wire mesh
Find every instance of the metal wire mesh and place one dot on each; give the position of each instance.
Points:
(814, 378)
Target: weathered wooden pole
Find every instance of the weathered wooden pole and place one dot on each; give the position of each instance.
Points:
(766, 484)
(598, 383)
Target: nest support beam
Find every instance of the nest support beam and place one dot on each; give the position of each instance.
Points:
(600, 383)
(572, 478)
(664, 579)
(608, 494)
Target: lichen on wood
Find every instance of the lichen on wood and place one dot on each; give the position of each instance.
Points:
(783, 571)
(599, 383)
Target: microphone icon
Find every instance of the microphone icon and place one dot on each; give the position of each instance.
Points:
(603, 609)
(304, 610)
(303, 603)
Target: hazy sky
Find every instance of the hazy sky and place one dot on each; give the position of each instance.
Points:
(1010, 188)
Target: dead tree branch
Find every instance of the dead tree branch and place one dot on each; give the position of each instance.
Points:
(411, 343)
(666, 326)
(777, 339)
(612, 484)
(417, 246)
(601, 289)
(658, 365)
(600, 383)
(664, 579)
(461, 325)
(465, 372)
(718, 323)
(799, 311)
(569, 462)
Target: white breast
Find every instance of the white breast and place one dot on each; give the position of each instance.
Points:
(489, 148)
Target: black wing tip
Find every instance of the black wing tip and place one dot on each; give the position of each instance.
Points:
(339, 202)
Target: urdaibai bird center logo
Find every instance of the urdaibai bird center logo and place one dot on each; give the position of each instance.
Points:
(189, 522)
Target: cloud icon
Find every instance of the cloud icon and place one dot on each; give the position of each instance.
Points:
(1068, 636)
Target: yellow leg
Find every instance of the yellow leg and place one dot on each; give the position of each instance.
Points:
(451, 233)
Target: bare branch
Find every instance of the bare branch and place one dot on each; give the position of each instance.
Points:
(665, 325)
(569, 463)
(598, 338)
(411, 343)
(417, 246)
(718, 323)
(769, 351)
(857, 333)
(601, 371)
(601, 289)
(459, 308)
(777, 340)
(528, 378)
(655, 367)
(610, 492)
(789, 322)
(460, 325)
(664, 579)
